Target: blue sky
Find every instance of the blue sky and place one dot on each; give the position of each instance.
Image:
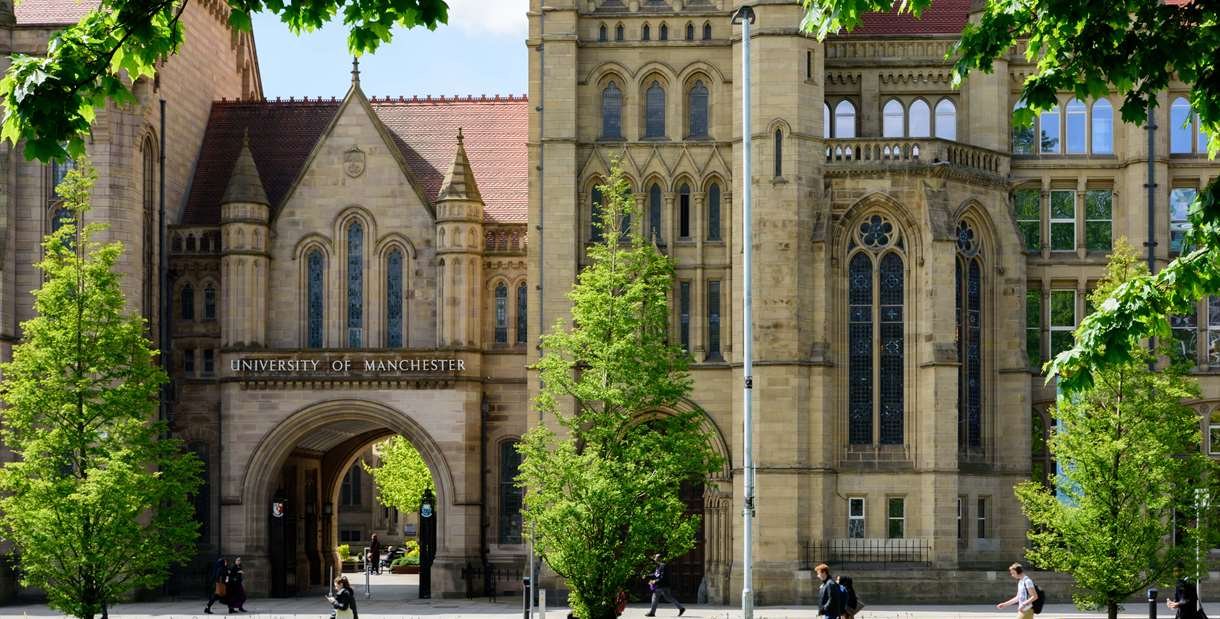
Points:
(481, 51)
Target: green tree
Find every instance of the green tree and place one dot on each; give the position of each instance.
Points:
(1130, 458)
(401, 476)
(602, 493)
(1135, 48)
(98, 501)
(50, 101)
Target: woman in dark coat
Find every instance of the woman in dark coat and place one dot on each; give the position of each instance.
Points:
(216, 579)
(344, 600)
(236, 590)
(1185, 600)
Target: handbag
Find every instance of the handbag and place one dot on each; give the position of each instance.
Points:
(345, 613)
(221, 590)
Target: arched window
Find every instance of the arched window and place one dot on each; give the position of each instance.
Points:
(707, 31)
(1103, 127)
(501, 314)
(1180, 130)
(892, 121)
(654, 111)
(1077, 120)
(654, 214)
(690, 32)
(150, 233)
(59, 170)
(187, 302)
(779, 153)
(522, 316)
(393, 298)
(713, 212)
(698, 100)
(612, 112)
(1048, 122)
(946, 120)
(969, 304)
(920, 119)
(876, 343)
(601, 33)
(664, 33)
(684, 212)
(355, 283)
(209, 302)
(510, 494)
(595, 216)
(1022, 136)
(313, 297)
(826, 120)
(845, 120)
(618, 32)
(646, 33)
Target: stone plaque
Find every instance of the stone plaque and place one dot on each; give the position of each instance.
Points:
(353, 162)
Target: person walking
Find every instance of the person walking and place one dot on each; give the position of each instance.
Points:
(344, 600)
(1185, 601)
(830, 596)
(659, 583)
(1027, 593)
(851, 603)
(217, 575)
(236, 598)
(375, 550)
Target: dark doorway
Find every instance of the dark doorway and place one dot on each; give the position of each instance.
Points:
(686, 571)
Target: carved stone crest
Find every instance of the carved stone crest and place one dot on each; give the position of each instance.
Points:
(353, 162)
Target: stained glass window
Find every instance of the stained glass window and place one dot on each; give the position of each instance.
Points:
(698, 110)
(209, 302)
(891, 349)
(969, 275)
(860, 353)
(510, 494)
(188, 302)
(684, 211)
(501, 314)
(595, 216)
(713, 212)
(393, 299)
(713, 320)
(355, 283)
(314, 297)
(876, 335)
(654, 214)
(522, 315)
(612, 112)
(654, 111)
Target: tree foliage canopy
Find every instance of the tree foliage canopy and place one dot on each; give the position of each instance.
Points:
(402, 476)
(603, 481)
(1136, 48)
(50, 101)
(97, 502)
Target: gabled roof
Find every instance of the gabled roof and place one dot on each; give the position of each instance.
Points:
(284, 133)
(943, 17)
(52, 12)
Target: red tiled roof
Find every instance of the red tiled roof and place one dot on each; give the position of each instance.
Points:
(283, 133)
(52, 11)
(942, 17)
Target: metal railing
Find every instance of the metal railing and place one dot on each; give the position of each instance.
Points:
(869, 552)
(484, 580)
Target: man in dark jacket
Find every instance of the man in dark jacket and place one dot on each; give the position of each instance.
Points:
(830, 599)
(1185, 600)
(375, 550)
(659, 583)
(217, 576)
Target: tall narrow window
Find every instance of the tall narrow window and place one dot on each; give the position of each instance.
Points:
(188, 302)
(855, 517)
(713, 212)
(501, 314)
(1098, 224)
(1063, 320)
(845, 120)
(188, 361)
(713, 320)
(980, 518)
(510, 494)
(690, 32)
(612, 112)
(707, 31)
(522, 315)
(601, 33)
(1033, 328)
(350, 489)
(1027, 206)
(1213, 331)
(1180, 199)
(876, 345)
(1185, 335)
(826, 133)
(664, 33)
(697, 104)
(313, 297)
(896, 517)
(1180, 130)
(151, 233)
(1077, 120)
(654, 111)
(355, 284)
(946, 120)
(209, 362)
(209, 302)
(893, 121)
(920, 119)
(779, 153)
(654, 214)
(684, 212)
(1063, 220)
(1022, 135)
(393, 299)
(684, 315)
(1103, 127)
(646, 33)
(618, 32)
(969, 291)
(1048, 123)
(59, 170)
(595, 216)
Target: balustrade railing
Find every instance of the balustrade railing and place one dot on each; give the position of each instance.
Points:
(850, 152)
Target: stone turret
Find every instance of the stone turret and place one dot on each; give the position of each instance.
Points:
(459, 242)
(244, 216)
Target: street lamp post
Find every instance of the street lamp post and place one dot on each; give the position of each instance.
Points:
(745, 16)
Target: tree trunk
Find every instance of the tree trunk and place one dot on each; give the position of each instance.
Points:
(1112, 609)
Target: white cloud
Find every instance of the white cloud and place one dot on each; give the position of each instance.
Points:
(490, 17)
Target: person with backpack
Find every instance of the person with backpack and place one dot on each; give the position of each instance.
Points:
(1028, 594)
(831, 600)
(1185, 601)
(851, 603)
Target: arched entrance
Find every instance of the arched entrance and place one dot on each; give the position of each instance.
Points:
(292, 485)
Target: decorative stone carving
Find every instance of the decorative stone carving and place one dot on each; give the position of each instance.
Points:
(353, 162)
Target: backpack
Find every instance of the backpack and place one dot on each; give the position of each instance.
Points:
(837, 601)
(1041, 599)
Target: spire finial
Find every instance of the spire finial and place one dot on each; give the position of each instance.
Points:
(355, 70)
(460, 134)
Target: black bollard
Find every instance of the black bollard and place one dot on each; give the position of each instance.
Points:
(1152, 603)
(525, 598)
